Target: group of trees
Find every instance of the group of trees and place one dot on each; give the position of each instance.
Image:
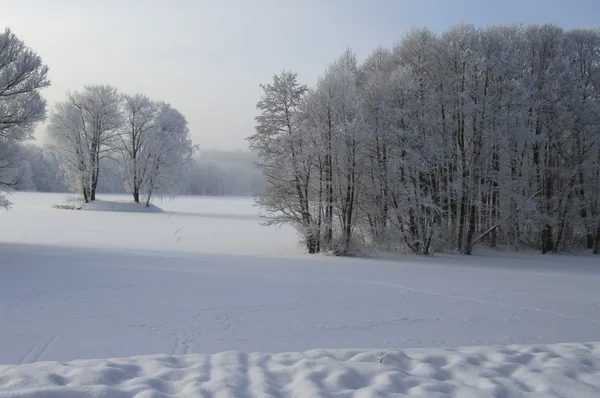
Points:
(149, 141)
(473, 136)
(92, 130)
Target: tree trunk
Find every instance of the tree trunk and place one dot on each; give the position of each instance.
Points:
(596, 249)
(590, 242)
(95, 174)
(546, 235)
(597, 243)
(462, 218)
(471, 231)
(312, 242)
(320, 210)
(86, 196)
(385, 193)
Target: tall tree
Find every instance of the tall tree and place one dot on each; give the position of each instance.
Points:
(83, 130)
(349, 139)
(283, 161)
(140, 115)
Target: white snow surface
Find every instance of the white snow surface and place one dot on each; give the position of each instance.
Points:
(203, 278)
(538, 371)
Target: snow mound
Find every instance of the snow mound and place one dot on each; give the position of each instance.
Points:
(103, 205)
(560, 370)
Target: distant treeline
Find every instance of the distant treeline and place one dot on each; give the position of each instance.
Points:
(214, 172)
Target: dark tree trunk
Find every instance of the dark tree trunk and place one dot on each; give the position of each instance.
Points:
(597, 242)
(589, 241)
(462, 219)
(547, 243)
(95, 174)
(86, 194)
(471, 230)
(312, 243)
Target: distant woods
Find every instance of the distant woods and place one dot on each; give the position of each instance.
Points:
(221, 173)
(475, 136)
(212, 172)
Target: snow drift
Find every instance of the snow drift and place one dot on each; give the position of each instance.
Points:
(560, 370)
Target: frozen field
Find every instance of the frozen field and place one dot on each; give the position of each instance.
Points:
(203, 277)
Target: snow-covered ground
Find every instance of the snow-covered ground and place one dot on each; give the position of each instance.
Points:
(568, 370)
(204, 276)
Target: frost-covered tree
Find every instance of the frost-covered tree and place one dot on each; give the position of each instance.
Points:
(475, 136)
(337, 122)
(376, 92)
(22, 76)
(83, 131)
(98, 128)
(283, 159)
(135, 139)
(166, 155)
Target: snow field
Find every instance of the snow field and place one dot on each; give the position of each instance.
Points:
(196, 286)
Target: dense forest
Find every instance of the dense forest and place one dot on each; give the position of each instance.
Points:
(473, 136)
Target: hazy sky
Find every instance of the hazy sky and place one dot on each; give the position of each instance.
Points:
(207, 58)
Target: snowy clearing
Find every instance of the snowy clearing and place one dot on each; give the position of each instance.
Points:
(569, 370)
(204, 276)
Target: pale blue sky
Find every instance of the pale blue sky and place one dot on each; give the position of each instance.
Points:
(208, 57)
